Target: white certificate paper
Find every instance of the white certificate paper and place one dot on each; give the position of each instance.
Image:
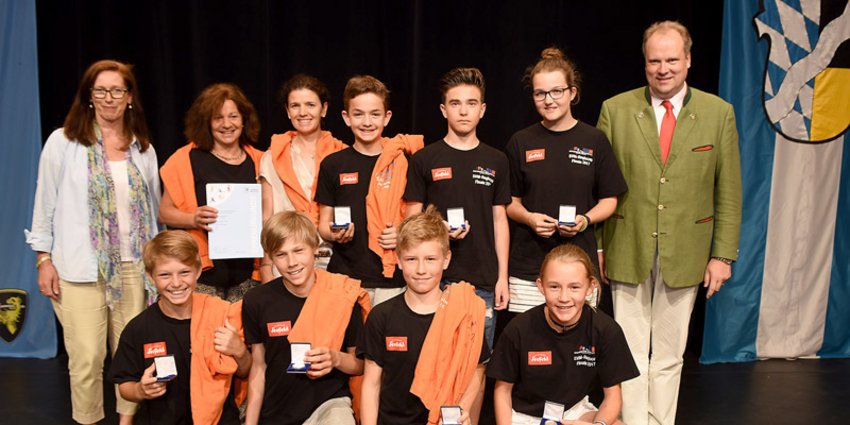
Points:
(236, 232)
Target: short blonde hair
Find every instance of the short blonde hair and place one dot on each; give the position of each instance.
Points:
(288, 224)
(669, 26)
(174, 244)
(569, 253)
(423, 227)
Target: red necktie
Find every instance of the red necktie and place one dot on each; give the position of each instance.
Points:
(668, 123)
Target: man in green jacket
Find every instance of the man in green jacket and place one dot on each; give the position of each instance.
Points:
(678, 224)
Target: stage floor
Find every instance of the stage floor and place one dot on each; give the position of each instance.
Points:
(774, 392)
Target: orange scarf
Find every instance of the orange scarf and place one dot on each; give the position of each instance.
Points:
(282, 160)
(179, 180)
(326, 314)
(384, 203)
(451, 349)
(211, 371)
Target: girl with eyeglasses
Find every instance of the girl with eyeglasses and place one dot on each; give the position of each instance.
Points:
(559, 163)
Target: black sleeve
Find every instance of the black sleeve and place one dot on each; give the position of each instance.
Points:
(250, 319)
(512, 151)
(371, 343)
(502, 194)
(128, 364)
(354, 329)
(416, 190)
(609, 180)
(325, 187)
(504, 362)
(616, 363)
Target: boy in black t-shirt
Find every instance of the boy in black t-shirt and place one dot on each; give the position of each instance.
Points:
(553, 353)
(195, 329)
(412, 367)
(288, 310)
(369, 180)
(461, 172)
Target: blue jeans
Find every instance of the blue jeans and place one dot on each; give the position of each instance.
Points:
(489, 316)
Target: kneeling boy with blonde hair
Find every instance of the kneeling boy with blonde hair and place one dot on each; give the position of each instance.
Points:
(424, 348)
(197, 334)
(308, 306)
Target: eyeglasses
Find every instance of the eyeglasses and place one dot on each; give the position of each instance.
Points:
(115, 92)
(555, 94)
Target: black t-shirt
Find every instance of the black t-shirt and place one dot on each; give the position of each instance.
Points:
(343, 181)
(206, 168)
(554, 168)
(545, 366)
(474, 180)
(269, 312)
(393, 339)
(152, 334)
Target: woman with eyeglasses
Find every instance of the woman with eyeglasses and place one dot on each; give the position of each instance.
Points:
(221, 127)
(289, 169)
(564, 179)
(96, 205)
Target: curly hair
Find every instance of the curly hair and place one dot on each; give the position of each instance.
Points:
(199, 117)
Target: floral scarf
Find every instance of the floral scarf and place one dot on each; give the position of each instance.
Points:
(103, 221)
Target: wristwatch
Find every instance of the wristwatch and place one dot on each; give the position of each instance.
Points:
(725, 260)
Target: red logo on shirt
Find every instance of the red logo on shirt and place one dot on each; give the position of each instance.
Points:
(155, 349)
(348, 178)
(396, 343)
(535, 155)
(438, 174)
(279, 328)
(539, 358)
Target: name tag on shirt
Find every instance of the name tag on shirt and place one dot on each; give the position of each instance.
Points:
(279, 328)
(155, 349)
(539, 358)
(438, 174)
(348, 178)
(396, 343)
(535, 155)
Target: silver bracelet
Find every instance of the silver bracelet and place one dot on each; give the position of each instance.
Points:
(600, 421)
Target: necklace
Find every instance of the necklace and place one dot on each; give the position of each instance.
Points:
(555, 325)
(229, 158)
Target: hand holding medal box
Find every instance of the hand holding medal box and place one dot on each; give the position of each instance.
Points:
(342, 218)
(166, 368)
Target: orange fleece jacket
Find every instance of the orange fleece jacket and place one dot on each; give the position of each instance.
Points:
(179, 180)
(211, 371)
(282, 160)
(384, 203)
(325, 315)
(451, 349)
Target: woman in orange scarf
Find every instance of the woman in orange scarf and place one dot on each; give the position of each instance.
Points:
(289, 169)
(221, 126)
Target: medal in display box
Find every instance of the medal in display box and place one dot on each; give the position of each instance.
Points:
(456, 219)
(298, 364)
(166, 368)
(342, 218)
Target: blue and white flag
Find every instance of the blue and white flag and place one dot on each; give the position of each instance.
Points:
(785, 66)
(27, 323)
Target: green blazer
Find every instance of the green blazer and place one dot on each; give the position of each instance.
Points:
(690, 208)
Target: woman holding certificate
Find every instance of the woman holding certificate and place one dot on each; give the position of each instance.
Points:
(289, 169)
(564, 179)
(221, 126)
(96, 205)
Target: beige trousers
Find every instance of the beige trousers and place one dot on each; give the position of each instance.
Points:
(336, 411)
(87, 323)
(654, 318)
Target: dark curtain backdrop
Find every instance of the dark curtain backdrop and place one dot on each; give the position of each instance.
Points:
(181, 46)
